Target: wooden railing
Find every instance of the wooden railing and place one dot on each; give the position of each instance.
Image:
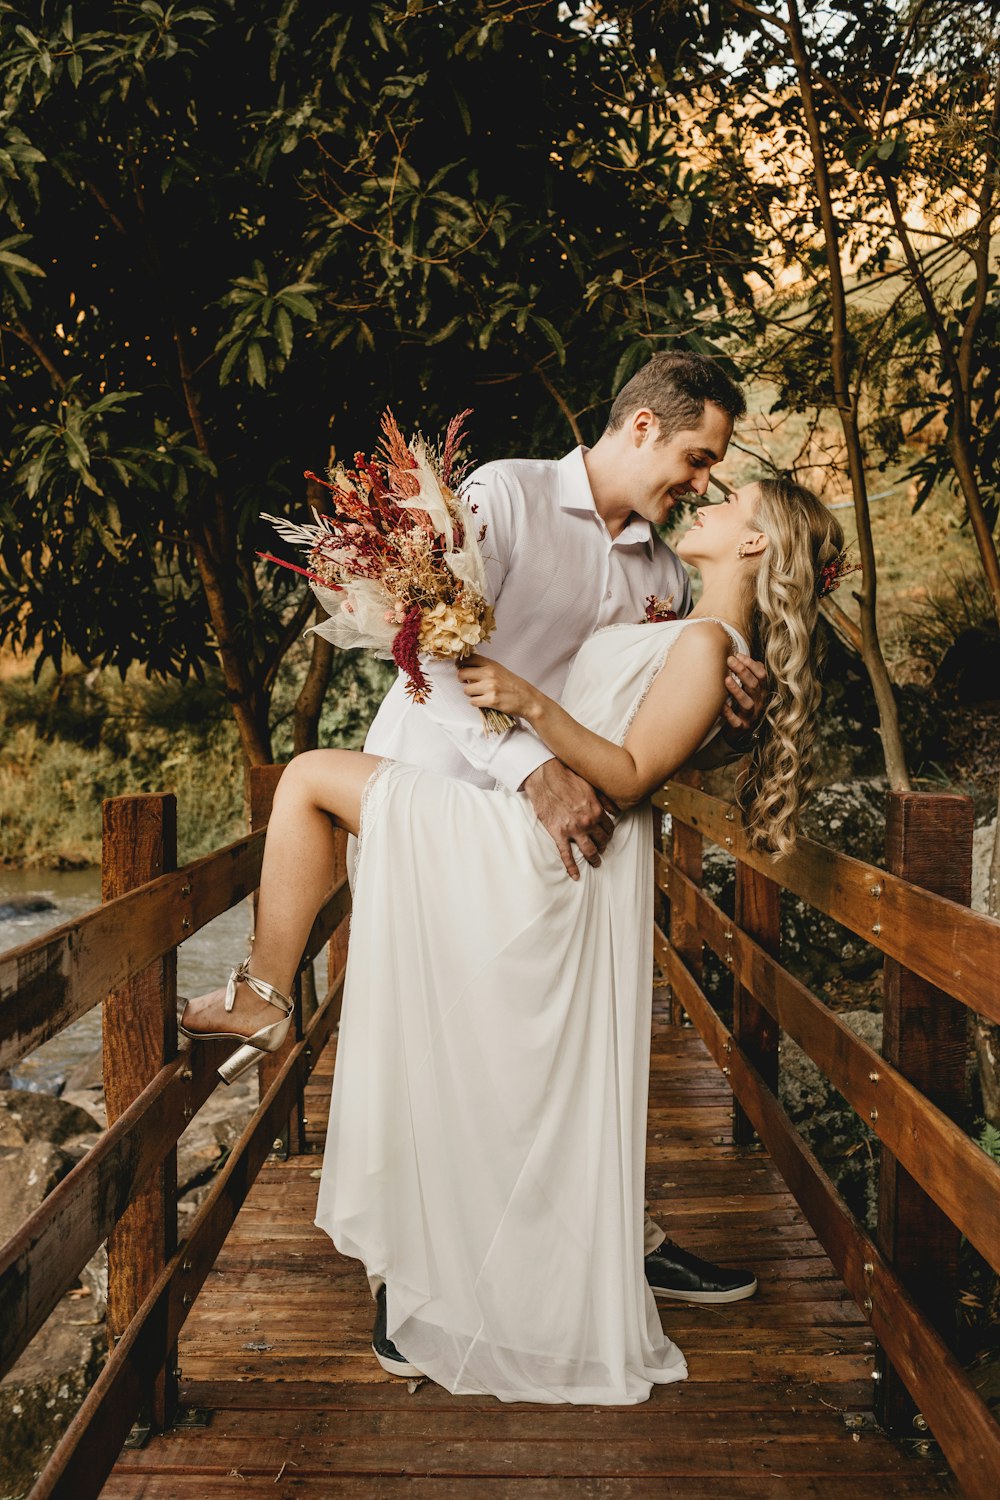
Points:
(935, 1182)
(125, 1189)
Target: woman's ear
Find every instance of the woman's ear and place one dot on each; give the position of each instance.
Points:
(754, 545)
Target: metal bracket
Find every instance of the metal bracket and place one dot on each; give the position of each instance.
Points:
(192, 1416)
(860, 1421)
(138, 1434)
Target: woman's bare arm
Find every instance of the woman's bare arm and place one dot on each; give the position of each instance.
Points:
(679, 710)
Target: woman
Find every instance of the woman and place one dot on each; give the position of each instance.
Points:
(486, 1151)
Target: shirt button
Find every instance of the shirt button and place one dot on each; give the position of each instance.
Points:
(608, 594)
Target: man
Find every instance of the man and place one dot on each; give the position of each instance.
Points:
(569, 548)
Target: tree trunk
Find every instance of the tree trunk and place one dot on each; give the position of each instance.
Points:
(987, 1035)
(847, 408)
(248, 700)
(309, 703)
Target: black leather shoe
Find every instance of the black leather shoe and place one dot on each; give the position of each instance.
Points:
(385, 1350)
(673, 1272)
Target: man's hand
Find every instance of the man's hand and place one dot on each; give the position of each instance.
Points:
(746, 682)
(572, 813)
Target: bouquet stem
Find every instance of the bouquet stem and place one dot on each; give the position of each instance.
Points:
(494, 722)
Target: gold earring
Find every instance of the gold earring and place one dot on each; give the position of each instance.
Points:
(741, 550)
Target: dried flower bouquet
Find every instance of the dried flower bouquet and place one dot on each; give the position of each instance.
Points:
(398, 564)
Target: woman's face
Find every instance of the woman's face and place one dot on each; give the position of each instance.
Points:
(718, 530)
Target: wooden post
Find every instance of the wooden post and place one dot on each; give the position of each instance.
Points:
(336, 949)
(263, 785)
(929, 843)
(757, 910)
(139, 1037)
(686, 853)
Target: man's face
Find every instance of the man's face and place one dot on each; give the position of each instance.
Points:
(665, 472)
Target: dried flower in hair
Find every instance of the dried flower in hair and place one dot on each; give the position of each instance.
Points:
(833, 573)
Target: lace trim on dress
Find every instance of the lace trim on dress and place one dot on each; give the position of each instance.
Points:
(656, 666)
(366, 797)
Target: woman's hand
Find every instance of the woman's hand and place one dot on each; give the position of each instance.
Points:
(488, 684)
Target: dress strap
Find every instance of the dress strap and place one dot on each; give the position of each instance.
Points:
(730, 630)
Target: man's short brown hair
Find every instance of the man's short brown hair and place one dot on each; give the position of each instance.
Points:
(675, 387)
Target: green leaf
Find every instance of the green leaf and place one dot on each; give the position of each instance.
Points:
(297, 304)
(283, 331)
(256, 364)
(446, 332)
(552, 336)
(226, 368)
(18, 263)
(634, 356)
(75, 69)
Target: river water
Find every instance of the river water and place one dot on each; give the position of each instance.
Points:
(203, 962)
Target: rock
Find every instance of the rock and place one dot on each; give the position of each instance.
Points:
(22, 906)
(26, 1116)
(970, 668)
(845, 1146)
(41, 1139)
(27, 1174)
(832, 962)
(982, 856)
(41, 1394)
(86, 1075)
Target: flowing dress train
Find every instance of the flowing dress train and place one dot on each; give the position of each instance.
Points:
(486, 1146)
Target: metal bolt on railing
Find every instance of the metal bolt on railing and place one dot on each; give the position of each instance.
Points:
(920, 1422)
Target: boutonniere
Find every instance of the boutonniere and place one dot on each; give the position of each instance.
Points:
(658, 610)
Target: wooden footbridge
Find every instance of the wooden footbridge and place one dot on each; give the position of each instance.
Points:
(239, 1359)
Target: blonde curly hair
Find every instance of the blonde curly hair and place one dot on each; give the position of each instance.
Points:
(784, 605)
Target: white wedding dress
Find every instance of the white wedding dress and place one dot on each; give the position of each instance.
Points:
(486, 1147)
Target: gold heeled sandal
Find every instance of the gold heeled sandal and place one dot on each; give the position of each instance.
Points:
(266, 1039)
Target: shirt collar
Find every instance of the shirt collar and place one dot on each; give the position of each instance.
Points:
(575, 494)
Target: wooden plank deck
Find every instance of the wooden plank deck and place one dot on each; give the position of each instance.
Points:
(277, 1351)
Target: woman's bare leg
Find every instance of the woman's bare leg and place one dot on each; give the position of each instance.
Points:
(318, 792)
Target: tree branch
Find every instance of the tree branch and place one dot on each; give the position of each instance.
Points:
(561, 402)
(24, 334)
(289, 634)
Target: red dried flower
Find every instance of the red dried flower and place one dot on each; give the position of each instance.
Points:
(658, 610)
(406, 655)
(833, 574)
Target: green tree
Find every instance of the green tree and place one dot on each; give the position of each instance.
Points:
(215, 273)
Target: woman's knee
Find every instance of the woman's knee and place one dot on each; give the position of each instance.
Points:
(298, 779)
(311, 776)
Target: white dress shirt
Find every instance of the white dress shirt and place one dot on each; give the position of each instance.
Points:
(555, 575)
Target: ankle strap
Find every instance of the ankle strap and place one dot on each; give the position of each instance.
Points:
(260, 987)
